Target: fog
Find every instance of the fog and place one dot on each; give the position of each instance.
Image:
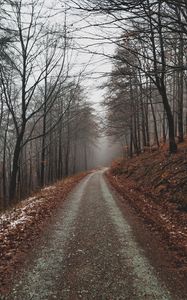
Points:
(104, 153)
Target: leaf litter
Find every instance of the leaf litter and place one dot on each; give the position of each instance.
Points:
(155, 186)
(22, 225)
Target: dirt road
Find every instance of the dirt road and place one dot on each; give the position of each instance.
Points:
(90, 252)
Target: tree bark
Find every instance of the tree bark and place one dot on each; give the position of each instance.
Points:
(172, 142)
(15, 166)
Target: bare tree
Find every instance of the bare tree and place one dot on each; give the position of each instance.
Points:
(150, 27)
(25, 57)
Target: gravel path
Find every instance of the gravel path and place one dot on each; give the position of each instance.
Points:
(90, 252)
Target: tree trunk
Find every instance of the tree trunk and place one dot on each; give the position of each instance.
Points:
(15, 168)
(172, 143)
(155, 123)
(4, 169)
(164, 128)
(180, 93)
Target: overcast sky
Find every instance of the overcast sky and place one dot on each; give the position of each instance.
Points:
(91, 42)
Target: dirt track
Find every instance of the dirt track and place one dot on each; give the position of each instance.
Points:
(90, 252)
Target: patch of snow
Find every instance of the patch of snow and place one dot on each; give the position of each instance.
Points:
(4, 217)
(19, 215)
(51, 187)
(22, 220)
(32, 204)
(31, 199)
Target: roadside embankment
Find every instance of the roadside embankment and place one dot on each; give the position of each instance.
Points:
(22, 225)
(155, 186)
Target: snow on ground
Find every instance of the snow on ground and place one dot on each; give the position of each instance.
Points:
(23, 225)
(51, 187)
(24, 212)
(18, 215)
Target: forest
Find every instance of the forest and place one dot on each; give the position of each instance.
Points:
(93, 149)
(146, 97)
(48, 125)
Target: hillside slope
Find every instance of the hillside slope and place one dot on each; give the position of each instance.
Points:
(155, 186)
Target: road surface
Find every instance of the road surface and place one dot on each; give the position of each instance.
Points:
(90, 252)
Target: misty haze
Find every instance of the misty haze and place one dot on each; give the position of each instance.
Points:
(93, 149)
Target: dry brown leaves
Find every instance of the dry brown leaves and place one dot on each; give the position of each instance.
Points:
(23, 225)
(154, 185)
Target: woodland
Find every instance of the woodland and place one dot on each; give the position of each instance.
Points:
(146, 96)
(46, 122)
(135, 53)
